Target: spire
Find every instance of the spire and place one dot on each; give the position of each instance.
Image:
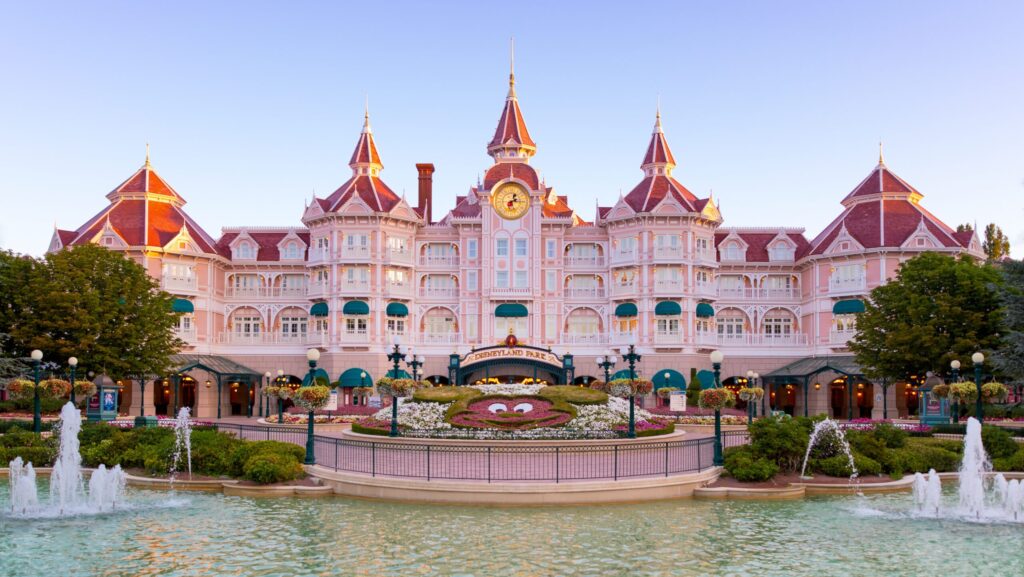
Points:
(511, 140)
(659, 159)
(365, 159)
(881, 157)
(148, 165)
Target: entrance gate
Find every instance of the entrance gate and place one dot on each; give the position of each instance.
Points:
(510, 363)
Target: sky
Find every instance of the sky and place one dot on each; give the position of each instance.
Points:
(251, 107)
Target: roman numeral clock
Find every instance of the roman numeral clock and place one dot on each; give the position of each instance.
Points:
(510, 201)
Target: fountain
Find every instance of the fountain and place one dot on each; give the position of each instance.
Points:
(182, 442)
(67, 490)
(821, 430)
(1004, 502)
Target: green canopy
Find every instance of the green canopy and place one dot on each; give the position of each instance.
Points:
(626, 310)
(668, 308)
(620, 374)
(668, 378)
(319, 310)
(356, 308)
(397, 310)
(401, 374)
(705, 310)
(707, 379)
(848, 307)
(511, 310)
(319, 376)
(354, 378)
(182, 306)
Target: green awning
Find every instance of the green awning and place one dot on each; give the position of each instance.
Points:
(355, 308)
(707, 379)
(668, 378)
(319, 310)
(401, 374)
(621, 374)
(626, 310)
(848, 307)
(182, 306)
(668, 308)
(397, 310)
(705, 310)
(511, 310)
(354, 378)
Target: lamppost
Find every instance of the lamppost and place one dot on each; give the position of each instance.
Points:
(630, 355)
(978, 359)
(73, 363)
(415, 364)
(280, 401)
(312, 355)
(716, 364)
(362, 383)
(955, 409)
(395, 357)
(607, 362)
(37, 419)
(263, 389)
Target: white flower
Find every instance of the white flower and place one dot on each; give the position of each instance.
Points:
(515, 389)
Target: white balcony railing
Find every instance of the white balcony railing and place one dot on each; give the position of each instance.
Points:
(737, 293)
(592, 261)
(355, 336)
(357, 252)
(317, 339)
(766, 294)
(355, 286)
(624, 289)
(398, 289)
(622, 338)
(439, 292)
(764, 340)
(624, 257)
(668, 252)
(233, 338)
(837, 337)
(318, 289)
(594, 338)
(318, 255)
(511, 291)
(440, 338)
(174, 282)
(266, 292)
(847, 285)
(673, 286)
(668, 337)
(584, 293)
(704, 255)
(779, 294)
(704, 289)
(399, 255)
(188, 335)
(439, 260)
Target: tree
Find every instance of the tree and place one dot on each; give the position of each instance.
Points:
(1009, 358)
(966, 227)
(938, 308)
(996, 245)
(14, 290)
(100, 306)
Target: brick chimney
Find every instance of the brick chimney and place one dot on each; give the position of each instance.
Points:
(425, 203)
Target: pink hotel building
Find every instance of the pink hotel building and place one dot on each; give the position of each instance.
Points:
(363, 268)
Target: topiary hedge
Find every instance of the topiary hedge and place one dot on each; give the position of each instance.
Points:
(447, 394)
(743, 465)
(573, 394)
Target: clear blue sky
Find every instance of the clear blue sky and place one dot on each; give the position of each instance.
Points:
(776, 106)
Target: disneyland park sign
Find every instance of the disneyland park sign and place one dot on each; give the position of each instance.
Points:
(512, 354)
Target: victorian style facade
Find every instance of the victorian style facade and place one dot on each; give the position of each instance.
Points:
(364, 268)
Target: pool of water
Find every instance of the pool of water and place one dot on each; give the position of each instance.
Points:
(210, 534)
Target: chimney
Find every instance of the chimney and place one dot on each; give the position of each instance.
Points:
(425, 202)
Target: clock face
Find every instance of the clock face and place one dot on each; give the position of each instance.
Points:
(511, 201)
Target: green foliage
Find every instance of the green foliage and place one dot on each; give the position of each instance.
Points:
(892, 436)
(998, 442)
(938, 308)
(996, 244)
(781, 441)
(1009, 357)
(916, 458)
(839, 466)
(42, 456)
(245, 451)
(1014, 462)
(8, 424)
(669, 427)
(91, 303)
(357, 428)
(575, 395)
(46, 406)
(447, 394)
(742, 464)
(267, 468)
(693, 390)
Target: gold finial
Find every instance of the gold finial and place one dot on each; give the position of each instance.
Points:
(366, 115)
(657, 116)
(147, 155)
(512, 67)
(881, 157)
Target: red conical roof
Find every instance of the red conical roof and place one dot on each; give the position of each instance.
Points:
(658, 152)
(511, 134)
(365, 154)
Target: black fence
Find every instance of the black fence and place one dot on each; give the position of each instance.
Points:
(493, 463)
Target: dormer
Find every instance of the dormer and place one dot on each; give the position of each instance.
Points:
(291, 247)
(733, 248)
(922, 239)
(244, 247)
(844, 243)
(182, 243)
(108, 237)
(781, 249)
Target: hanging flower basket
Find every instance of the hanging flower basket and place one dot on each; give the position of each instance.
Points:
(84, 389)
(963, 392)
(751, 393)
(598, 385)
(940, 391)
(55, 388)
(312, 398)
(396, 387)
(21, 388)
(625, 388)
(285, 392)
(271, 391)
(666, 392)
(717, 399)
(994, 392)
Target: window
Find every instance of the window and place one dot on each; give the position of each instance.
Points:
(732, 251)
(291, 250)
(521, 248)
(522, 279)
(397, 245)
(583, 322)
(182, 245)
(666, 244)
(625, 324)
(501, 247)
(844, 323)
(439, 321)
(108, 241)
(472, 328)
(780, 251)
(551, 280)
(323, 243)
(293, 282)
(357, 242)
(293, 326)
(627, 245)
(244, 250)
(471, 282)
(320, 325)
(703, 246)
(551, 248)
(501, 279)
(921, 241)
(355, 325)
(185, 322)
(247, 325)
(322, 275)
(848, 276)
(702, 277)
(668, 326)
(471, 248)
(703, 326)
(778, 326)
(730, 327)
(519, 326)
(551, 326)
(396, 277)
(396, 325)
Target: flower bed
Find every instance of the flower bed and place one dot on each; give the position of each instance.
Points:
(511, 413)
(161, 421)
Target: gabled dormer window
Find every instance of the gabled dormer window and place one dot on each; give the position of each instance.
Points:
(245, 250)
(292, 251)
(732, 251)
(780, 252)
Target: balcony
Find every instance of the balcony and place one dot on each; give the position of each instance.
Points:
(779, 294)
(318, 289)
(354, 252)
(755, 340)
(233, 338)
(446, 261)
(673, 253)
(705, 256)
(403, 290)
(297, 292)
(585, 293)
(186, 334)
(318, 255)
(760, 294)
(668, 337)
(737, 293)
(511, 291)
(668, 286)
(705, 289)
(355, 336)
(841, 337)
(624, 289)
(847, 285)
(172, 283)
(349, 286)
(440, 338)
(317, 339)
(434, 292)
(594, 338)
(402, 256)
(623, 257)
(586, 261)
(623, 338)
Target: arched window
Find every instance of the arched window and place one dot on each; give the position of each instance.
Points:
(245, 250)
(291, 250)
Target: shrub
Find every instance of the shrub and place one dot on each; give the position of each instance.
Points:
(891, 435)
(212, 453)
(1014, 462)
(576, 395)
(272, 467)
(249, 449)
(446, 394)
(39, 456)
(998, 442)
(839, 466)
(742, 465)
(915, 458)
(15, 424)
(19, 438)
(782, 441)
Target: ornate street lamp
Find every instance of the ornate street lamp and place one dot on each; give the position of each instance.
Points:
(280, 401)
(73, 363)
(37, 419)
(716, 364)
(263, 392)
(955, 408)
(395, 357)
(749, 400)
(415, 364)
(312, 355)
(630, 355)
(607, 362)
(979, 411)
